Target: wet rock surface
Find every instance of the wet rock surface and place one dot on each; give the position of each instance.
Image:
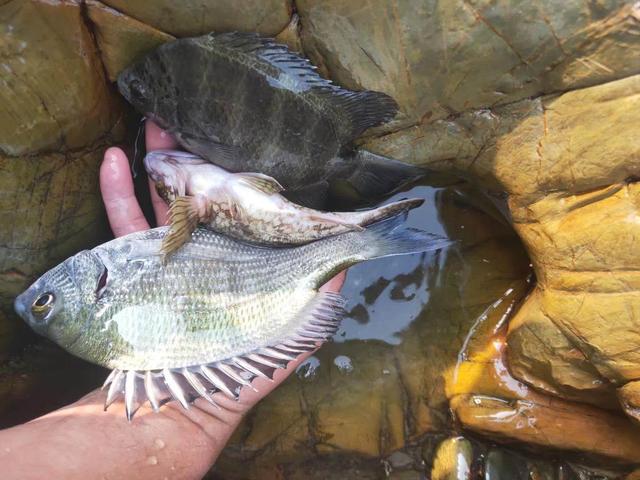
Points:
(197, 17)
(535, 103)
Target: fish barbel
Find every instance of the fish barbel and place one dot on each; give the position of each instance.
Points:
(215, 315)
(246, 206)
(249, 104)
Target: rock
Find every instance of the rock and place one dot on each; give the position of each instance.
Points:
(406, 475)
(541, 470)
(197, 17)
(438, 59)
(400, 460)
(290, 35)
(453, 460)
(52, 207)
(502, 465)
(487, 400)
(121, 39)
(629, 396)
(54, 96)
(542, 356)
(580, 261)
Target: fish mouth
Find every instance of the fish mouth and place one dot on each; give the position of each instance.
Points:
(20, 307)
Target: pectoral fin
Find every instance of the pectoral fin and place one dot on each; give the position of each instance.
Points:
(263, 183)
(183, 220)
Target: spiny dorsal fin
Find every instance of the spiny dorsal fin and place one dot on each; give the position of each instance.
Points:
(364, 109)
(262, 183)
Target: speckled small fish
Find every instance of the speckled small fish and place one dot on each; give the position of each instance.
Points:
(246, 206)
(217, 314)
(249, 104)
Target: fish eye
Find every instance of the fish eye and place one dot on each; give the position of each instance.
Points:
(137, 89)
(43, 305)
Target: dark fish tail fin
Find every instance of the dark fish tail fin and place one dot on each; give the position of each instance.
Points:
(391, 237)
(376, 175)
(365, 109)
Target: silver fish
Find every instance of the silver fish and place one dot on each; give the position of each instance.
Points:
(217, 314)
(246, 206)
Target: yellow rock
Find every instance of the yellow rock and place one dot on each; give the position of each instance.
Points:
(53, 93)
(57, 115)
(542, 356)
(629, 396)
(441, 58)
(51, 207)
(486, 399)
(453, 460)
(197, 17)
(121, 39)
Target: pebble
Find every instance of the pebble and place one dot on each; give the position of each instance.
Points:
(453, 460)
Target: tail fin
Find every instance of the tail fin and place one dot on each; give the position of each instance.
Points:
(377, 175)
(375, 215)
(390, 237)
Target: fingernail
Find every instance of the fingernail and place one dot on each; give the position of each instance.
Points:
(163, 134)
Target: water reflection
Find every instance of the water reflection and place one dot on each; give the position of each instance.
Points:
(386, 295)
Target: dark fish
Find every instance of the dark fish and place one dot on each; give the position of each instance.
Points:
(247, 103)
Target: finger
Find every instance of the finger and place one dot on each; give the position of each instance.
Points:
(156, 138)
(160, 207)
(116, 185)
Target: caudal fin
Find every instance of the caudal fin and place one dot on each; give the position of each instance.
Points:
(391, 237)
(375, 215)
(376, 175)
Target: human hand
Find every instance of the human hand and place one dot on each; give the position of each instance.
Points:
(125, 216)
(82, 441)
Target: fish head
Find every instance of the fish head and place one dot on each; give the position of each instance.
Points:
(139, 87)
(58, 303)
(171, 171)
